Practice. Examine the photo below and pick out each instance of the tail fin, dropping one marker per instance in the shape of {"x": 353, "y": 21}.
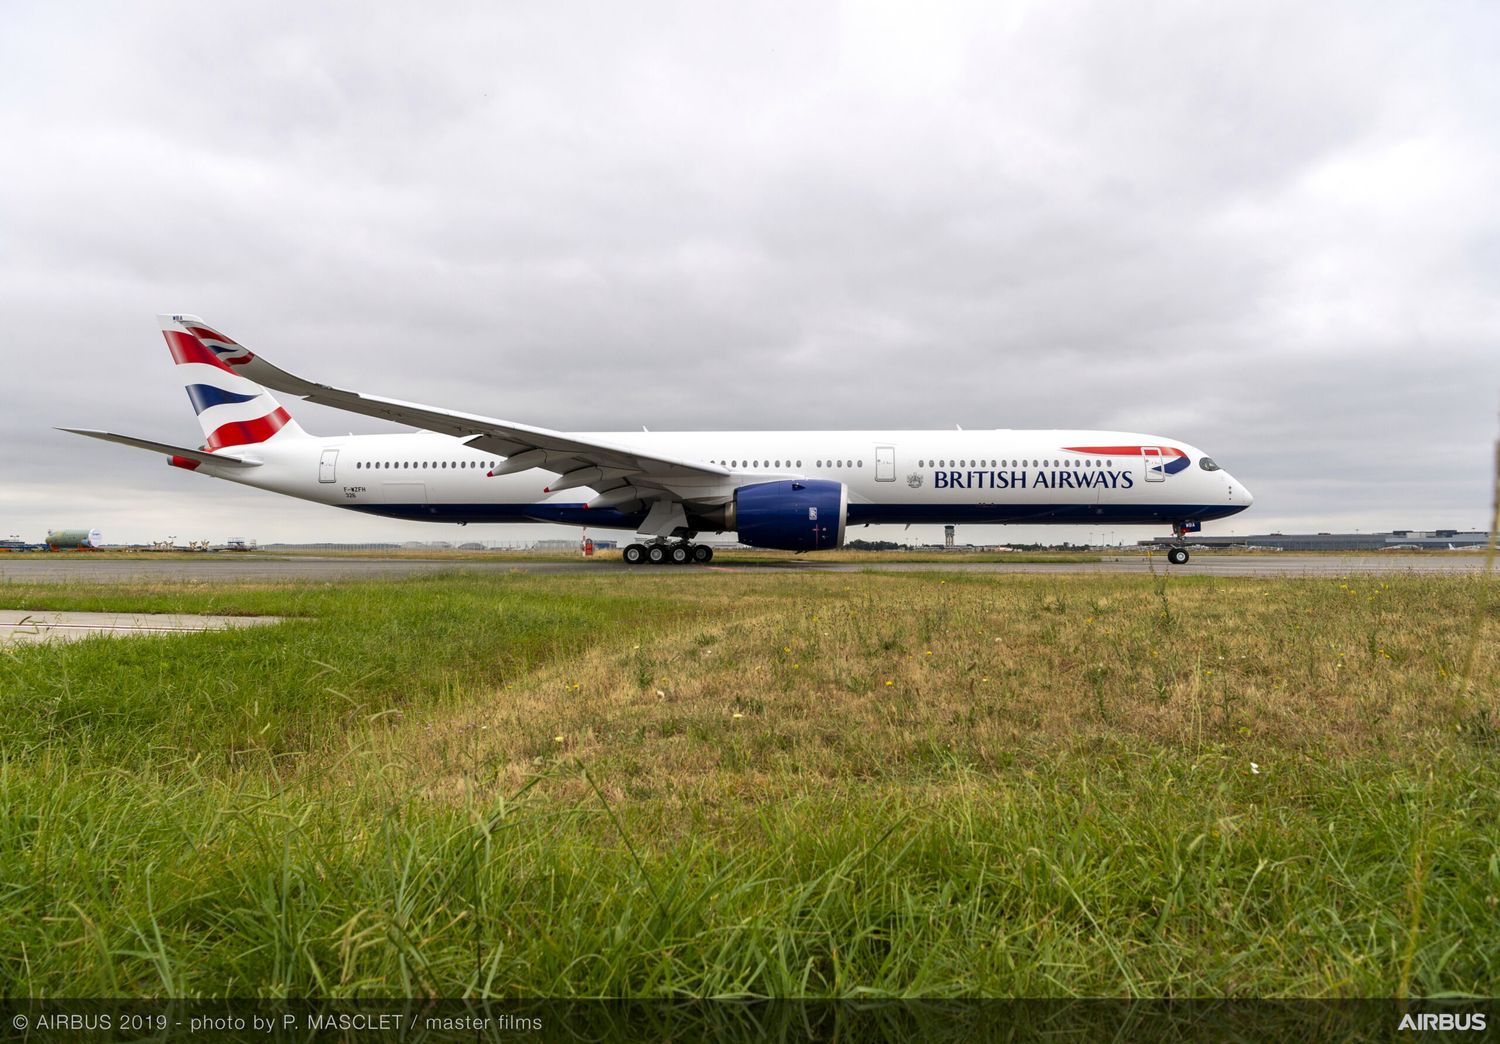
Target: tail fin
{"x": 233, "y": 410}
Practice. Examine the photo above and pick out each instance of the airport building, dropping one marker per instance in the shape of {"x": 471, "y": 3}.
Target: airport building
{"x": 1396, "y": 540}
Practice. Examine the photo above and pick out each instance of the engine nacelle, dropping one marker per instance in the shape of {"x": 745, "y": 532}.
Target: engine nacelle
{"x": 791, "y": 515}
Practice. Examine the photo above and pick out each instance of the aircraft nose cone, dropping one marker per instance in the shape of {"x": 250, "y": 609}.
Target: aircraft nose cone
{"x": 1240, "y": 494}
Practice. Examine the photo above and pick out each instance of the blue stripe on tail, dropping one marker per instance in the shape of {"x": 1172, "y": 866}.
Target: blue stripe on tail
{"x": 205, "y": 395}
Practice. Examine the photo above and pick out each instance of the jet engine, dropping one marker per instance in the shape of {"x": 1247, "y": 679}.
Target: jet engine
{"x": 790, "y": 515}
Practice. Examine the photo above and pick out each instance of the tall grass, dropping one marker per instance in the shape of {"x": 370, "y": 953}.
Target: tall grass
{"x": 720, "y": 785}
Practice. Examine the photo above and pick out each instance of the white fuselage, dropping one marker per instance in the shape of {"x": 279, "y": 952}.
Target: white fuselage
{"x": 947, "y": 477}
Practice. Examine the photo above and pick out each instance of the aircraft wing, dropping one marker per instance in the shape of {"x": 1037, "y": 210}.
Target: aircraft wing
{"x": 201, "y": 456}
{"x": 622, "y": 474}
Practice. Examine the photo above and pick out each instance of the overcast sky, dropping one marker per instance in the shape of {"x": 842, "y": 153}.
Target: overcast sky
{"x": 1271, "y": 230}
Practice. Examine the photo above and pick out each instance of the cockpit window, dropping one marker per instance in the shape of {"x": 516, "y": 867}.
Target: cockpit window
{"x": 1207, "y": 464}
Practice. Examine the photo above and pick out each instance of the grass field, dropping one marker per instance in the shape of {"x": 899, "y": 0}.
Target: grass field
{"x": 700, "y": 783}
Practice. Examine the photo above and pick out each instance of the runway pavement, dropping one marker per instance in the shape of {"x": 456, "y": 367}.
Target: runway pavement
{"x": 218, "y": 568}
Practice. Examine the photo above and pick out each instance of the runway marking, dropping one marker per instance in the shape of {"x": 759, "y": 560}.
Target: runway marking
{"x": 18, "y": 626}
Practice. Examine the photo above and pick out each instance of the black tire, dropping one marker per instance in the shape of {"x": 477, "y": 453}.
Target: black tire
{"x": 1177, "y": 556}
{"x": 680, "y": 555}
{"x": 656, "y": 554}
{"x": 635, "y": 554}
{"x": 702, "y": 554}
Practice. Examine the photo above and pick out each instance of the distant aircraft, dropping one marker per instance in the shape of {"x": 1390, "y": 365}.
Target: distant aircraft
{"x": 789, "y": 490}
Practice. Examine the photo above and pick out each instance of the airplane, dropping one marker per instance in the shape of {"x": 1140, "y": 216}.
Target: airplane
{"x": 785, "y": 490}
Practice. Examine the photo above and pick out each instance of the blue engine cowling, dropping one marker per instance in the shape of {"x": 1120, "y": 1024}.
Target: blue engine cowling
{"x": 792, "y": 515}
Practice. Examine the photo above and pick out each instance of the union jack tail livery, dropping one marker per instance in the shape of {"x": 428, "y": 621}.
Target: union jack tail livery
{"x": 232, "y": 409}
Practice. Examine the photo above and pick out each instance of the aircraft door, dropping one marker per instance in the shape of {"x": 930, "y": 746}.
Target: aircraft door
{"x": 885, "y": 463}
{"x": 1154, "y": 471}
{"x": 326, "y": 465}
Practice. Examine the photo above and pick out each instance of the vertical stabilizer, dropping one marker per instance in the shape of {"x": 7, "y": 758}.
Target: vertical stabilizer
{"x": 232, "y": 409}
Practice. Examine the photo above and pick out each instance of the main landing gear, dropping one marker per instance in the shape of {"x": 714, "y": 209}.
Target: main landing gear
{"x": 1179, "y": 554}
{"x": 668, "y": 552}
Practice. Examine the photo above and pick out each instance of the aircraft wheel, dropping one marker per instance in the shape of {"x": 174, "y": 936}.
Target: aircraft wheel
{"x": 635, "y": 554}
{"x": 680, "y": 554}
{"x": 702, "y": 554}
{"x": 1177, "y": 556}
{"x": 656, "y": 554}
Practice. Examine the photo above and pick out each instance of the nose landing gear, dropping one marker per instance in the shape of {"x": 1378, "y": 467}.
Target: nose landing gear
{"x": 1178, "y": 555}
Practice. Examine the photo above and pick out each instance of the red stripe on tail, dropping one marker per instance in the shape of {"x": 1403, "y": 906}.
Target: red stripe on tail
{"x": 241, "y": 433}
{"x": 186, "y": 348}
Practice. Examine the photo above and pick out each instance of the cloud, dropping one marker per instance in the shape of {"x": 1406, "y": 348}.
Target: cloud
{"x": 1268, "y": 230}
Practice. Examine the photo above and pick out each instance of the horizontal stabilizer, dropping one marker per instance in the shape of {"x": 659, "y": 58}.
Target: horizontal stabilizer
{"x": 200, "y": 456}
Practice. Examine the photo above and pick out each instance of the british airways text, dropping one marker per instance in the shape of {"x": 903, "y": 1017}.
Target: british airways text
{"x": 1032, "y": 480}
